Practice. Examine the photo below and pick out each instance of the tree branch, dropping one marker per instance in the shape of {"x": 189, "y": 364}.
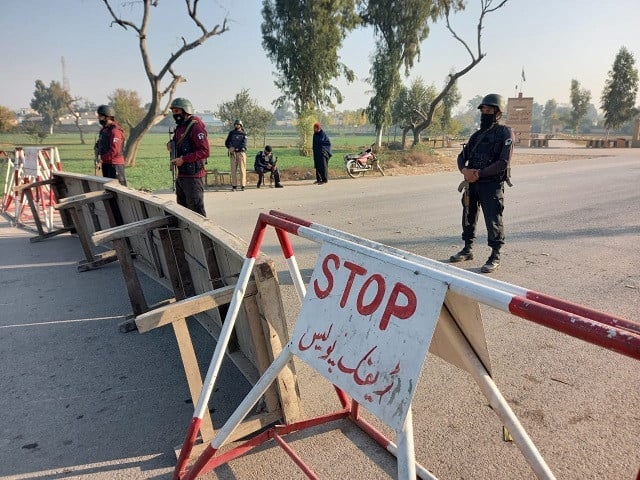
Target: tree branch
{"x": 475, "y": 59}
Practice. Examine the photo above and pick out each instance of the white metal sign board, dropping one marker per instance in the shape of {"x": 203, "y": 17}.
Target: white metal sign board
{"x": 365, "y": 325}
{"x": 30, "y": 161}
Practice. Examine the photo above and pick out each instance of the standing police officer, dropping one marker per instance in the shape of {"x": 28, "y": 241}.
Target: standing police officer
{"x": 484, "y": 163}
{"x": 236, "y": 144}
{"x": 110, "y": 144}
{"x": 192, "y": 151}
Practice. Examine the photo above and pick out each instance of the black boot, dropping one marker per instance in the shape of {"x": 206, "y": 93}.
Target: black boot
{"x": 462, "y": 255}
{"x": 493, "y": 262}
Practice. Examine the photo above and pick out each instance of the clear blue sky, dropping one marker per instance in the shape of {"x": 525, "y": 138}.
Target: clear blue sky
{"x": 553, "y": 40}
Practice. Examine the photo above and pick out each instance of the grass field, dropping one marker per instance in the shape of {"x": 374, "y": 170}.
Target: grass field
{"x": 152, "y": 163}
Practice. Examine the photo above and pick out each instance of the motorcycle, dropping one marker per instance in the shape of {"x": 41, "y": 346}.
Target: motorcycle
{"x": 359, "y": 163}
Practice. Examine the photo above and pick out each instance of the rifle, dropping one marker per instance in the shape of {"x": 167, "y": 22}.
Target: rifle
{"x": 464, "y": 189}
{"x": 173, "y": 153}
{"x": 96, "y": 158}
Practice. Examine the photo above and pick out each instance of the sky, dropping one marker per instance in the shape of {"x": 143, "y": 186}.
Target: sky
{"x": 551, "y": 41}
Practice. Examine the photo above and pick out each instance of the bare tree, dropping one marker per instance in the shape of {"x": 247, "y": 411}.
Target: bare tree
{"x": 157, "y": 109}
{"x": 428, "y": 113}
{"x": 70, "y": 102}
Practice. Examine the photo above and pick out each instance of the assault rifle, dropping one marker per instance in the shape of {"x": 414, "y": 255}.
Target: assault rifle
{"x": 96, "y": 158}
{"x": 173, "y": 153}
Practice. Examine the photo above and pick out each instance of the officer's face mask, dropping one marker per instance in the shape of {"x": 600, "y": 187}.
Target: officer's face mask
{"x": 486, "y": 120}
{"x": 179, "y": 118}
{"x": 102, "y": 121}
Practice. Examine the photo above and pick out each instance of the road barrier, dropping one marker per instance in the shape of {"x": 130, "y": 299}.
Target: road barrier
{"x": 368, "y": 316}
{"x": 29, "y": 176}
{"x": 200, "y": 263}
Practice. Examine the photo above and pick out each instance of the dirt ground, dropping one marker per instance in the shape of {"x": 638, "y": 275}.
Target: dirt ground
{"x": 443, "y": 161}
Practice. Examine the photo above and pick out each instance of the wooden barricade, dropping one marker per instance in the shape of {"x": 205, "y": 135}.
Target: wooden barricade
{"x": 197, "y": 261}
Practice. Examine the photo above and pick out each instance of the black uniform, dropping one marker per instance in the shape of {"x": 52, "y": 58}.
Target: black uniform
{"x": 490, "y": 152}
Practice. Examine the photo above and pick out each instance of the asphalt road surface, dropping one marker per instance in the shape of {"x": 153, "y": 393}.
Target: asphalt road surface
{"x": 572, "y": 230}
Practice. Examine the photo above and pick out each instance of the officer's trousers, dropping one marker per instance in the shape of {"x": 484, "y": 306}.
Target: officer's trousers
{"x": 490, "y": 197}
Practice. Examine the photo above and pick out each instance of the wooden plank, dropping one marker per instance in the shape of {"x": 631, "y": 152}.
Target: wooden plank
{"x": 132, "y": 229}
{"x": 261, "y": 352}
{"x": 130, "y": 274}
{"x": 83, "y": 235}
{"x": 188, "y": 307}
{"x": 34, "y": 210}
{"x": 30, "y": 185}
{"x": 78, "y": 200}
{"x": 277, "y": 335}
{"x": 180, "y": 281}
{"x": 192, "y": 371}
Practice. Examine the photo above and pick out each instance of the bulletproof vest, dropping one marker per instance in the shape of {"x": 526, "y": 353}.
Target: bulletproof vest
{"x": 185, "y": 147}
{"x": 488, "y": 149}
{"x": 237, "y": 138}
{"x": 104, "y": 140}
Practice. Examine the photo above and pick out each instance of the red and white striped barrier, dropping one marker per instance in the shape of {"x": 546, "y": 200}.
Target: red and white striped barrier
{"x": 31, "y": 164}
{"x": 404, "y": 313}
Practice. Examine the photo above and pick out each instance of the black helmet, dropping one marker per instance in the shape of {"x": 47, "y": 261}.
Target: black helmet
{"x": 267, "y": 148}
{"x": 106, "y": 110}
{"x": 238, "y": 122}
{"x": 493, "y": 100}
{"x": 184, "y": 104}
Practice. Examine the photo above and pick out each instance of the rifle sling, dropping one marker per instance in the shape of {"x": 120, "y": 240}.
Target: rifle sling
{"x": 186, "y": 132}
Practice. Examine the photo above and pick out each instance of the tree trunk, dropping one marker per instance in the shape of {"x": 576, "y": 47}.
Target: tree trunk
{"x": 416, "y": 137}
{"x": 379, "y": 137}
{"x": 138, "y": 131}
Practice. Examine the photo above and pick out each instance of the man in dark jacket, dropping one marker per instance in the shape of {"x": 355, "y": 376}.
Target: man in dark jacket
{"x": 236, "y": 144}
{"x": 191, "y": 150}
{"x": 484, "y": 163}
{"x": 265, "y": 163}
{"x": 110, "y": 144}
{"x": 321, "y": 154}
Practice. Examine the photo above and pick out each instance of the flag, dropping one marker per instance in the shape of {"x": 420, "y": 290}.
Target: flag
{"x": 523, "y": 77}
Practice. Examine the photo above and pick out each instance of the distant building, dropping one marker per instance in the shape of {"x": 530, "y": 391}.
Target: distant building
{"x": 519, "y": 113}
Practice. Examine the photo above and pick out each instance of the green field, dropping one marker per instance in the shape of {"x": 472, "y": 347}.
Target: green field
{"x": 151, "y": 171}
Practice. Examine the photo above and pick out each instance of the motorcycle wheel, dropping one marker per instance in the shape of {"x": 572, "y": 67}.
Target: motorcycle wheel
{"x": 352, "y": 169}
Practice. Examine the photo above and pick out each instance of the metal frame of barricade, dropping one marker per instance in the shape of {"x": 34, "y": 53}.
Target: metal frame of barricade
{"x": 47, "y": 162}
{"x": 613, "y": 333}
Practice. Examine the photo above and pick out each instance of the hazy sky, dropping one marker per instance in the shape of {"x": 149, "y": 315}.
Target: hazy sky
{"x": 552, "y": 40}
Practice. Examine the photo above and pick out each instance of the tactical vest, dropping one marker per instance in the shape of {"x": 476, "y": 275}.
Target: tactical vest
{"x": 488, "y": 149}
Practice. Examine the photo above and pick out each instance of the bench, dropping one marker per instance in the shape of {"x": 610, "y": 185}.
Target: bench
{"x": 221, "y": 178}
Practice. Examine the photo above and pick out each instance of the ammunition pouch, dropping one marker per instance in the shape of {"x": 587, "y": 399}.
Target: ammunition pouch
{"x": 190, "y": 168}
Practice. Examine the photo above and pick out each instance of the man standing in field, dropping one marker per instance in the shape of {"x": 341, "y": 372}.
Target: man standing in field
{"x": 110, "y": 144}
{"x": 191, "y": 146}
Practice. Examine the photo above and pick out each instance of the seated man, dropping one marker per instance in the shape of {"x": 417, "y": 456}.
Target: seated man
{"x": 265, "y": 163}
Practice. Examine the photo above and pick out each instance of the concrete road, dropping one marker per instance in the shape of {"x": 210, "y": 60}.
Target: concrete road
{"x": 572, "y": 232}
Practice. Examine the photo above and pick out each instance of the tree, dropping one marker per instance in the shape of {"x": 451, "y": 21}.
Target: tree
{"x": 580, "y": 98}
{"x": 50, "y": 102}
{"x": 302, "y": 39}
{"x": 159, "y": 88}
{"x": 400, "y": 27}
{"x": 486, "y": 7}
{"x": 409, "y": 105}
{"x": 449, "y": 102}
{"x": 255, "y": 119}
{"x": 620, "y": 91}
{"x": 128, "y": 107}
{"x": 7, "y": 119}
{"x": 548, "y": 114}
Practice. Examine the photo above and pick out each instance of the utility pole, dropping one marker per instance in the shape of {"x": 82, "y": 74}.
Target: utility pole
{"x": 65, "y": 79}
